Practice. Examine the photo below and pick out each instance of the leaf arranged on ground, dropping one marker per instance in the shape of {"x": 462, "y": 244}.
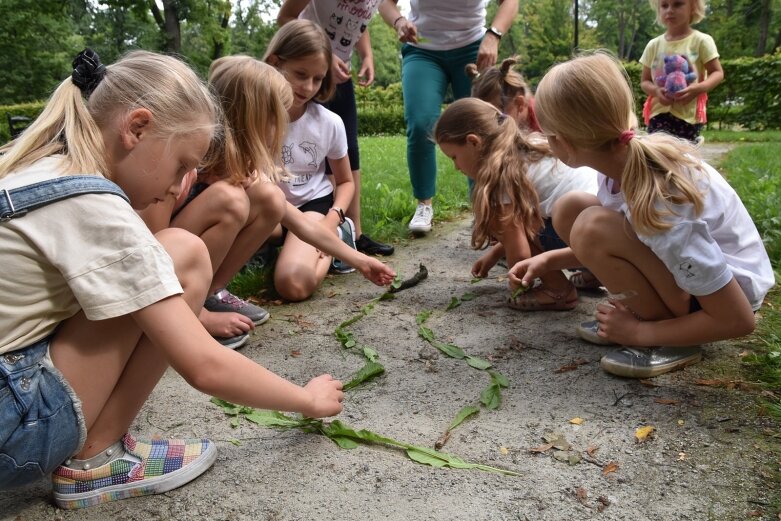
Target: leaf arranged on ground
{"x": 610, "y": 467}
{"x": 367, "y": 372}
{"x": 499, "y": 379}
{"x": 491, "y": 396}
{"x": 466, "y": 297}
{"x": 422, "y": 316}
{"x": 425, "y": 333}
{"x": 577, "y": 421}
{"x": 520, "y": 290}
{"x": 370, "y": 354}
{"x": 463, "y": 414}
{"x": 451, "y": 350}
{"x": 567, "y": 456}
{"x": 454, "y": 303}
{"x": 642, "y": 433}
{"x": 422, "y": 274}
{"x": 542, "y": 448}
{"x": 345, "y": 338}
{"x": 478, "y": 363}
{"x": 475, "y": 280}
{"x": 557, "y": 440}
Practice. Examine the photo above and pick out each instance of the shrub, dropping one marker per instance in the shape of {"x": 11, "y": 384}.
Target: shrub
{"x": 30, "y": 110}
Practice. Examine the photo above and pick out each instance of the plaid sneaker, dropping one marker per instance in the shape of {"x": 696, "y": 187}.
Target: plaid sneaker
{"x": 137, "y": 468}
{"x": 347, "y": 234}
{"x": 224, "y": 300}
{"x": 639, "y": 362}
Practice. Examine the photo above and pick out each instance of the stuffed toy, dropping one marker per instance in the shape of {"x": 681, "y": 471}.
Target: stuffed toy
{"x": 676, "y": 75}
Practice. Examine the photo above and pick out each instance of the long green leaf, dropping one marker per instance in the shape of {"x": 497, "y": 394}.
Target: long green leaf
{"x": 451, "y": 350}
{"x": 272, "y": 419}
{"x": 422, "y": 316}
{"x": 462, "y": 415}
{"x": 367, "y": 372}
{"x": 454, "y": 303}
{"x": 425, "y": 333}
{"x": 499, "y": 379}
{"x": 478, "y": 363}
{"x": 491, "y": 396}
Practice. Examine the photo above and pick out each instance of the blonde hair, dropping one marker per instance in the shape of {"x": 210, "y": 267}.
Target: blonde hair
{"x": 498, "y": 85}
{"x": 70, "y": 125}
{"x": 254, "y": 98}
{"x": 697, "y": 8}
{"x": 504, "y": 159}
{"x": 301, "y": 39}
{"x": 587, "y": 102}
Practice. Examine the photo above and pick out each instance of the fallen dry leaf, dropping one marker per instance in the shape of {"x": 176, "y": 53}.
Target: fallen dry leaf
{"x": 610, "y": 467}
{"x": 642, "y": 433}
{"x": 504, "y": 450}
{"x": 681, "y": 422}
{"x": 295, "y": 353}
{"x": 649, "y": 383}
{"x": 681, "y": 456}
{"x": 571, "y": 366}
{"x": 591, "y": 450}
{"x": 667, "y": 401}
{"x": 577, "y": 421}
{"x": 582, "y": 496}
{"x": 542, "y": 448}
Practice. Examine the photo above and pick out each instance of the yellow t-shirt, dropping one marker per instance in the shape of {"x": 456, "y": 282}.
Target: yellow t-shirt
{"x": 699, "y": 48}
{"x": 91, "y": 252}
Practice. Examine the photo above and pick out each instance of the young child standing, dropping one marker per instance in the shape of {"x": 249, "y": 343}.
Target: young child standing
{"x": 681, "y": 113}
{"x": 301, "y": 51}
{"x": 100, "y": 306}
{"x": 517, "y": 181}
{"x": 682, "y": 248}
{"x": 346, "y": 24}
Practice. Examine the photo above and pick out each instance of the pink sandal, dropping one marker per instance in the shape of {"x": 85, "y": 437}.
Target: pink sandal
{"x": 530, "y": 300}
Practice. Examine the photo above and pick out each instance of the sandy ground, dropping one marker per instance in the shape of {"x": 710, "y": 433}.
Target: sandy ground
{"x": 709, "y": 457}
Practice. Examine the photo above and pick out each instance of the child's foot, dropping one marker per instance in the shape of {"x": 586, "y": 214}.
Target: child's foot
{"x": 584, "y": 279}
{"x": 224, "y": 300}
{"x": 647, "y": 362}
{"x": 541, "y": 299}
{"x": 347, "y": 235}
{"x": 131, "y": 468}
{"x": 421, "y": 221}
{"x": 369, "y": 246}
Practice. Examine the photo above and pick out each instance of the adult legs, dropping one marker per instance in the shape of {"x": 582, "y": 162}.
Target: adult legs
{"x": 110, "y": 364}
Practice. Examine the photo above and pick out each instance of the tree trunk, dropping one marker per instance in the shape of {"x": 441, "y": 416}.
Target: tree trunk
{"x": 219, "y": 44}
{"x": 168, "y": 22}
{"x": 764, "y": 27}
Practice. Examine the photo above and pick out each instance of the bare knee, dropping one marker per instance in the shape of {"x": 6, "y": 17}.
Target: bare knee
{"x": 295, "y": 288}
{"x": 269, "y": 201}
{"x": 232, "y": 200}
{"x": 191, "y": 262}
{"x": 567, "y": 208}
{"x": 592, "y": 231}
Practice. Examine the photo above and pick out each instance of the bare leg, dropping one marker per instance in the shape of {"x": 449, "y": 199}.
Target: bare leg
{"x": 567, "y": 209}
{"x": 354, "y": 210}
{"x": 606, "y": 243}
{"x": 110, "y": 364}
{"x": 300, "y": 268}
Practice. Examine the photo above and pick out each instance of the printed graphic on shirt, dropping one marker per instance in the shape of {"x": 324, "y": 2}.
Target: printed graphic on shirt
{"x": 308, "y": 155}
{"x": 347, "y": 22}
{"x": 686, "y": 268}
{"x": 287, "y": 154}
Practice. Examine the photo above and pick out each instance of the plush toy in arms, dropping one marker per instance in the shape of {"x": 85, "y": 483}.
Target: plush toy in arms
{"x": 678, "y": 74}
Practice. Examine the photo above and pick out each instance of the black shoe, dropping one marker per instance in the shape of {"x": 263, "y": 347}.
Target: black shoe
{"x": 366, "y": 245}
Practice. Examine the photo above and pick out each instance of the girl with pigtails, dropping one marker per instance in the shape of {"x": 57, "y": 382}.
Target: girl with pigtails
{"x": 668, "y": 236}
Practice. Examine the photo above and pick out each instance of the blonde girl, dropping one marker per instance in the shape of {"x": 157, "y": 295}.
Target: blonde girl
{"x": 681, "y": 113}
{"x": 100, "y": 306}
{"x": 503, "y": 87}
{"x": 301, "y": 51}
{"x": 512, "y": 171}
{"x": 682, "y": 249}
{"x": 236, "y": 204}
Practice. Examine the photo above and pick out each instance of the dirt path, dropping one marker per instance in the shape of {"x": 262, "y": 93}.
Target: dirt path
{"x": 706, "y": 459}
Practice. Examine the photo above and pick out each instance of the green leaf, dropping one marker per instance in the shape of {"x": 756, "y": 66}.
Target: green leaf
{"x": 345, "y": 443}
{"x": 468, "y": 296}
{"x": 476, "y": 280}
{"x": 422, "y": 316}
{"x": 451, "y": 350}
{"x": 454, "y": 303}
{"x": 426, "y": 333}
{"x": 397, "y": 280}
{"x": 478, "y": 363}
{"x": 499, "y": 379}
{"x": 427, "y": 459}
{"x": 235, "y": 442}
{"x": 370, "y": 353}
{"x": 462, "y": 415}
{"x": 520, "y": 290}
{"x": 367, "y": 372}
{"x": 491, "y": 396}
{"x": 273, "y": 419}
{"x": 386, "y": 296}
{"x": 235, "y": 422}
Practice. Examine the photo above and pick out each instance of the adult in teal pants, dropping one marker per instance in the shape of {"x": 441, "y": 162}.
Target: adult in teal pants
{"x": 440, "y": 38}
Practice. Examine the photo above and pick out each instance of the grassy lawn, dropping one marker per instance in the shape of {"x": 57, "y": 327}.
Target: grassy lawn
{"x": 740, "y": 136}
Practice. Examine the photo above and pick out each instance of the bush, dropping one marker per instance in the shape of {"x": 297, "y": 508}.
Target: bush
{"x": 30, "y": 110}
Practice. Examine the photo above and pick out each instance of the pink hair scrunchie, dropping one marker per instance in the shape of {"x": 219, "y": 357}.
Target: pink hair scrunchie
{"x": 626, "y": 136}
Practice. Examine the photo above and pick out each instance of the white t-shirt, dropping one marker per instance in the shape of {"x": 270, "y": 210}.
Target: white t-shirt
{"x": 311, "y": 139}
{"x": 448, "y": 24}
{"x": 704, "y": 252}
{"x": 608, "y": 199}
{"x": 552, "y": 179}
{"x": 90, "y": 252}
{"x": 343, "y": 20}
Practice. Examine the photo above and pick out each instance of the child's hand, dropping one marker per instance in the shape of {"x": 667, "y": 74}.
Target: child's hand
{"x": 326, "y": 396}
{"x": 524, "y": 272}
{"x": 688, "y": 94}
{"x": 661, "y": 95}
{"x": 618, "y": 324}
{"x": 341, "y": 70}
{"x": 377, "y": 272}
{"x": 407, "y": 31}
{"x": 482, "y": 266}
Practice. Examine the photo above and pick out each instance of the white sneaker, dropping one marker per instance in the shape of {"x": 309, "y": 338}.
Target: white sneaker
{"x": 421, "y": 221}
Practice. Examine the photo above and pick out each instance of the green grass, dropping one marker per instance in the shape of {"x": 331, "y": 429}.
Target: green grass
{"x": 742, "y": 136}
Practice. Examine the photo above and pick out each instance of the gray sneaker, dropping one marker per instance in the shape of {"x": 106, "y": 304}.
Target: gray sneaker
{"x": 588, "y": 332}
{"x": 233, "y": 342}
{"x": 347, "y": 234}
{"x": 224, "y": 300}
{"x": 647, "y": 362}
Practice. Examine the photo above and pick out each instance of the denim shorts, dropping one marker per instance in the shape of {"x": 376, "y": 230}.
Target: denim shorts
{"x": 41, "y": 423}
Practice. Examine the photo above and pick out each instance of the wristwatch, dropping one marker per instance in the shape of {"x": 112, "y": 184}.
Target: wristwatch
{"x": 339, "y": 212}
{"x": 496, "y": 32}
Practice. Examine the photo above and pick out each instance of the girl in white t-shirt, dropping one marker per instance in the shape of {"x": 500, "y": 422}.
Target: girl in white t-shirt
{"x": 301, "y": 51}
{"x": 683, "y": 250}
{"x": 93, "y": 307}
{"x": 517, "y": 182}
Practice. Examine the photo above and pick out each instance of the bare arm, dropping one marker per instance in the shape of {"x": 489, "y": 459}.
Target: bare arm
{"x": 290, "y": 10}
{"x": 212, "y": 369}
{"x": 715, "y": 76}
{"x": 405, "y": 30}
{"x": 364, "y": 48}
{"x": 524, "y": 272}
{"x": 489, "y": 47}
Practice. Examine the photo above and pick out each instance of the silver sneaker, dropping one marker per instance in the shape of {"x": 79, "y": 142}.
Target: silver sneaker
{"x": 421, "y": 221}
{"x": 347, "y": 234}
{"x": 225, "y": 301}
{"x": 588, "y": 332}
{"x": 639, "y": 362}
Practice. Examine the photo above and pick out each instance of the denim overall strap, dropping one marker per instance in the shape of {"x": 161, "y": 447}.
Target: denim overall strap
{"x": 18, "y": 201}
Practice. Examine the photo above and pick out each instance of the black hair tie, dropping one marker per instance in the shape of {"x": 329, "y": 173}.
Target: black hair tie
{"x": 87, "y": 71}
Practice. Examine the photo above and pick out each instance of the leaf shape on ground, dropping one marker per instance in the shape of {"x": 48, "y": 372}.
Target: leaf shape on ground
{"x": 463, "y": 414}
{"x": 491, "y": 396}
{"x": 367, "y": 372}
{"x": 345, "y": 443}
{"x": 577, "y": 421}
{"x": 422, "y": 316}
{"x": 273, "y": 419}
{"x": 425, "y": 333}
{"x": 478, "y": 363}
{"x": 499, "y": 379}
{"x": 451, "y": 350}
{"x": 542, "y": 448}
{"x": 397, "y": 280}
{"x": 476, "y": 280}
{"x": 466, "y": 297}
{"x": 557, "y": 440}
{"x": 642, "y": 433}
{"x": 370, "y": 353}
{"x": 610, "y": 467}
{"x": 454, "y": 303}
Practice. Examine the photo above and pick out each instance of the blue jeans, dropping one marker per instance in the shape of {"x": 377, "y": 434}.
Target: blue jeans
{"x": 425, "y": 76}
{"x": 41, "y": 423}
